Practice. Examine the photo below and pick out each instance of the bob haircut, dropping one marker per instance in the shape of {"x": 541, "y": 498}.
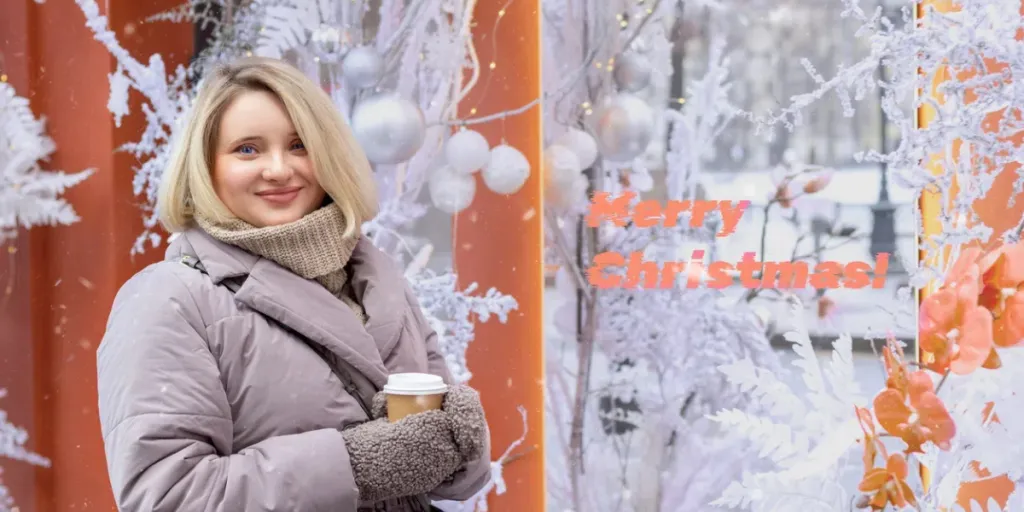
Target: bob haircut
{"x": 186, "y": 188}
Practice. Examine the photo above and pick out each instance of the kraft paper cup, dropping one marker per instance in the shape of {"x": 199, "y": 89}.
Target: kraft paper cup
{"x": 411, "y": 393}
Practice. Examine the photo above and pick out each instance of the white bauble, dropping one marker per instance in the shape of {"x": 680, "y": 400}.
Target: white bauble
{"x": 625, "y": 126}
{"x": 567, "y": 194}
{"x": 581, "y": 143}
{"x": 389, "y": 128}
{"x": 451, "y": 191}
{"x": 362, "y": 67}
{"x": 632, "y": 72}
{"x": 467, "y": 151}
{"x": 506, "y": 171}
{"x": 561, "y": 166}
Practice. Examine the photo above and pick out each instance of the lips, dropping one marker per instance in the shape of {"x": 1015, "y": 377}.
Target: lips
{"x": 280, "y": 195}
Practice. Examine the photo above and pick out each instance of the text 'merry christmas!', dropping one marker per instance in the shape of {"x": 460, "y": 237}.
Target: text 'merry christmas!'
{"x": 623, "y": 210}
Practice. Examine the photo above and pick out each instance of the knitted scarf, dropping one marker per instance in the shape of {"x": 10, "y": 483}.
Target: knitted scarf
{"x": 312, "y": 247}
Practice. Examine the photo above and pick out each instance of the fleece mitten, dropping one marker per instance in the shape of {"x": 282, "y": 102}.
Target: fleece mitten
{"x": 407, "y": 458}
{"x": 465, "y": 416}
{"x": 466, "y": 419}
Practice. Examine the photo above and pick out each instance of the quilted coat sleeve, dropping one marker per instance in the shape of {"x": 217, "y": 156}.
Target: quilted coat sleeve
{"x": 476, "y": 473}
{"x": 166, "y": 421}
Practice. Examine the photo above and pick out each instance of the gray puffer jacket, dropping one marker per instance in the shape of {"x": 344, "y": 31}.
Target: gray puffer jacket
{"x": 213, "y": 400}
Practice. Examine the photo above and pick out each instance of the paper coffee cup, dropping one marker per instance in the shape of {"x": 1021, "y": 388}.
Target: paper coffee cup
{"x": 411, "y": 393}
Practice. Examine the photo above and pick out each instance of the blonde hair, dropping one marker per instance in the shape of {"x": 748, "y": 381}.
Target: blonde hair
{"x": 186, "y": 188}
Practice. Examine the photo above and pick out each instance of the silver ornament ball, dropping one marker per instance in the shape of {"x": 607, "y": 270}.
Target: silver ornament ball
{"x": 389, "y": 128}
{"x": 625, "y": 126}
{"x": 363, "y": 67}
{"x": 467, "y": 151}
{"x": 450, "y": 190}
{"x": 507, "y": 170}
{"x": 581, "y": 143}
{"x": 632, "y": 72}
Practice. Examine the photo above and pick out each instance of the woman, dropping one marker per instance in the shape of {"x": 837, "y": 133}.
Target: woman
{"x": 242, "y": 373}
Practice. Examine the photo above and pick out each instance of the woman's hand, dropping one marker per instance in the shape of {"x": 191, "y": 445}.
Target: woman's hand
{"x": 466, "y": 419}
{"x": 406, "y": 458}
{"x": 464, "y": 414}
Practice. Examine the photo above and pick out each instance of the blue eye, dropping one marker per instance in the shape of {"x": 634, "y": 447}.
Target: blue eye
{"x": 298, "y": 146}
{"x": 246, "y": 149}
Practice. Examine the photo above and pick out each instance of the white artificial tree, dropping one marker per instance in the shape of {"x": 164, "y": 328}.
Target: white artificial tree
{"x": 29, "y": 195}
{"x": 966, "y": 60}
{"x": 629, "y": 389}
{"x": 410, "y": 57}
{"x": 12, "y": 446}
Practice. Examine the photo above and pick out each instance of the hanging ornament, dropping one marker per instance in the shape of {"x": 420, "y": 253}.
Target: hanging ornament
{"x": 581, "y": 143}
{"x": 561, "y": 166}
{"x": 389, "y": 127}
{"x": 632, "y": 72}
{"x": 625, "y": 127}
{"x": 467, "y": 151}
{"x": 329, "y": 43}
{"x": 363, "y": 67}
{"x": 450, "y": 190}
{"x": 506, "y": 171}
{"x": 566, "y": 195}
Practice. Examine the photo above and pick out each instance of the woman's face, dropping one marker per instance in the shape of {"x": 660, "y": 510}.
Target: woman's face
{"x": 261, "y": 169}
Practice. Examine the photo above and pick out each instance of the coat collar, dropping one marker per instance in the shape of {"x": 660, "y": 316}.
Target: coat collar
{"x": 305, "y": 306}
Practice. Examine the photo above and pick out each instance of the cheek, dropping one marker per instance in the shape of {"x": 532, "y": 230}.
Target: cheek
{"x": 304, "y": 168}
{"x": 232, "y": 176}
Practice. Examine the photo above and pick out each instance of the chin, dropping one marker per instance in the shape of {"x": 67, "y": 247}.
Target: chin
{"x": 278, "y": 218}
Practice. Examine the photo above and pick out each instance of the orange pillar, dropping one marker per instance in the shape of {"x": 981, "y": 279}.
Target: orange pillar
{"x": 66, "y": 277}
{"x": 16, "y": 349}
{"x": 993, "y": 211}
{"x": 498, "y": 242}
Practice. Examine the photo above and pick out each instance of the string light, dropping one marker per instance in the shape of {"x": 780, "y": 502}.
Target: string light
{"x": 501, "y": 13}
{"x": 3, "y": 78}
{"x": 493, "y": 65}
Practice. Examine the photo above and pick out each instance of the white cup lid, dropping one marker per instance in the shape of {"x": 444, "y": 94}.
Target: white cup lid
{"x": 415, "y": 384}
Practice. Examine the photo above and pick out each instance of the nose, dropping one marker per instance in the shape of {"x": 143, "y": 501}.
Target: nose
{"x": 277, "y": 168}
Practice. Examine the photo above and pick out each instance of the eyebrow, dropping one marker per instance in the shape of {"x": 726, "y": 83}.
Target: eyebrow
{"x": 252, "y": 138}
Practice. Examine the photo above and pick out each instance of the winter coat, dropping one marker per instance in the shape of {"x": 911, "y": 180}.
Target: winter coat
{"x": 219, "y": 400}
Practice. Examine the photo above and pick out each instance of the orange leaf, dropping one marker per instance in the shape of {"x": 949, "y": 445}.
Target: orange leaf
{"x": 873, "y": 480}
{"x": 907, "y": 493}
{"x": 880, "y": 500}
{"x": 919, "y": 383}
{"x": 1009, "y": 327}
{"x": 936, "y": 419}
{"x": 938, "y": 312}
{"x": 1006, "y": 268}
{"x": 891, "y": 412}
{"x": 993, "y": 362}
{"x": 968, "y": 257}
{"x": 975, "y": 341}
{"x": 897, "y": 466}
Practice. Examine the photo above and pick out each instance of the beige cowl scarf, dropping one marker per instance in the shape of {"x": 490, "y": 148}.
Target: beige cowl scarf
{"x": 312, "y": 247}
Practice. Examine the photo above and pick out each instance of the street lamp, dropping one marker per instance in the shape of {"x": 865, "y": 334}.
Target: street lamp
{"x": 883, "y": 213}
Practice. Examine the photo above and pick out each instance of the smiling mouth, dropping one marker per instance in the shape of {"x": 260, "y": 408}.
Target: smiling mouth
{"x": 281, "y": 195}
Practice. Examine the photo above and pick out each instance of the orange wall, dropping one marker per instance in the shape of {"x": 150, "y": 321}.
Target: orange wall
{"x": 65, "y": 277}
{"x": 499, "y": 243}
